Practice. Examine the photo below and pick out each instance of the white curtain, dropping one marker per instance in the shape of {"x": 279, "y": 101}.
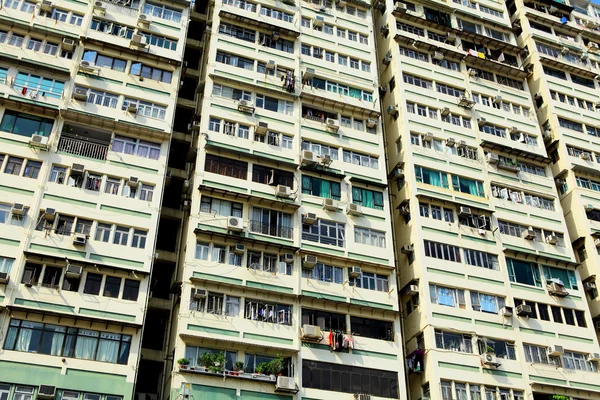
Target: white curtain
{"x": 108, "y": 351}
{"x": 85, "y": 347}
{"x": 24, "y": 340}
{"x": 57, "y": 342}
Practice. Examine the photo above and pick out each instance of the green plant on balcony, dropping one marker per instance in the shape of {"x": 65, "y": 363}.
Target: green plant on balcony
{"x": 213, "y": 361}
{"x": 558, "y": 397}
{"x": 238, "y": 366}
{"x": 261, "y": 368}
{"x": 490, "y": 349}
{"x": 183, "y": 361}
{"x": 275, "y": 366}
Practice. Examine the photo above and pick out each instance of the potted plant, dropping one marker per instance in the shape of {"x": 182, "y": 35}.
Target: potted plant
{"x": 206, "y": 359}
{"x": 183, "y": 363}
{"x": 262, "y": 368}
{"x": 275, "y": 366}
{"x": 559, "y": 397}
{"x": 218, "y": 363}
{"x": 238, "y": 367}
{"x": 490, "y": 350}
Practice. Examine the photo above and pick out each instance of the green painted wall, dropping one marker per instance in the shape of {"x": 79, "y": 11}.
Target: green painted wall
{"x": 83, "y": 381}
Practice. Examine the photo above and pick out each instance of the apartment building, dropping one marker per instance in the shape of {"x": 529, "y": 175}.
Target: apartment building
{"x": 287, "y": 284}
{"x": 563, "y": 42}
{"x": 88, "y": 94}
{"x": 492, "y": 301}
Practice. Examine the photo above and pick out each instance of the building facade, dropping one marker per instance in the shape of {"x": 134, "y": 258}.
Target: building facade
{"x": 288, "y": 246}
{"x": 493, "y": 303}
{"x": 88, "y": 94}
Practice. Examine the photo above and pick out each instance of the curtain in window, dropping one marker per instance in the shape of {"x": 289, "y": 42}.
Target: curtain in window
{"x": 378, "y": 200}
{"x": 356, "y": 195}
{"x": 57, "y": 342}
{"x": 24, "y": 339}
{"x": 306, "y": 184}
{"x": 446, "y": 296}
{"x": 356, "y": 93}
{"x": 324, "y": 188}
{"x": 108, "y": 350}
{"x": 368, "y": 199}
{"x": 86, "y": 347}
{"x": 336, "y": 191}
{"x": 488, "y": 303}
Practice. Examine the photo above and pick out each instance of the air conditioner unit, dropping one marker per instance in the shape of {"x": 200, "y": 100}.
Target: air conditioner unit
{"x": 132, "y": 108}
{"x": 462, "y": 144}
{"x": 68, "y": 44}
{"x": 556, "y": 289}
{"x": 283, "y": 191}
{"x": 39, "y": 141}
{"x": 438, "y": 55}
{"x": 239, "y": 248}
{"x": 392, "y": 110}
{"x": 371, "y": 123}
{"x": 497, "y": 99}
{"x": 199, "y": 293}
{"x": 524, "y": 310}
{"x": 555, "y": 351}
{"x": 428, "y": 137}
{"x": 144, "y": 20}
{"x": 333, "y": 125}
{"x": 139, "y": 41}
{"x": 412, "y": 290}
{"x": 464, "y": 211}
{"x": 46, "y": 6}
{"x": 589, "y": 285}
{"x": 77, "y": 169}
{"x": 506, "y": 311}
{"x": 285, "y": 384}
{"x": 490, "y": 359}
{"x": 409, "y": 249}
{"x": 597, "y": 105}
{"x": 87, "y": 66}
{"x": 585, "y": 156}
{"x": 451, "y": 36}
{"x": 330, "y": 205}
{"x": 261, "y": 128}
{"x": 597, "y": 242}
{"x": 246, "y": 106}
{"x": 593, "y": 357}
{"x": 4, "y": 278}
{"x": 311, "y": 332}
{"x": 309, "y": 261}
{"x": 547, "y": 134}
{"x": 552, "y": 239}
{"x": 385, "y": 30}
{"x": 354, "y": 209}
{"x": 17, "y": 209}
{"x": 405, "y": 209}
{"x": 275, "y": 35}
{"x": 354, "y": 272}
{"x": 308, "y": 157}
{"x": 235, "y": 224}
{"x": 99, "y": 5}
{"x": 528, "y": 234}
{"x": 80, "y": 94}
{"x": 288, "y": 257}
{"x": 445, "y": 111}
{"x": 450, "y": 142}
{"x": 399, "y": 7}
{"x": 133, "y": 182}
{"x": 309, "y": 73}
{"x": 387, "y": 59}
{"x": 46, "y": 392}
{"x": 271, "y": 65}
{"x": 514, "y": 130}
{"x": 79, "y": 240}
{"x": 309, "y": 218}
{"x": 481, "y": 121}
{"x": 318, "y": 21}
{"x": 73, "y": 271}
{"x": 472, "y": 72}
{"x": 49, "y": 214}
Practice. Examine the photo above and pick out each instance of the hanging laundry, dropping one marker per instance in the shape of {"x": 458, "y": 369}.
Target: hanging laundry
{"x": 24, "y": 91}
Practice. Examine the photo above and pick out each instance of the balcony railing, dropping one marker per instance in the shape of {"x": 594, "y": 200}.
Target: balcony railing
{"x": 285, "y": 232}
{"x": 115, "y": 8}
{"x": 83, "y": 148}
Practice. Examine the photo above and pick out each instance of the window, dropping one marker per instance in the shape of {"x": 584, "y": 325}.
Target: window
{"x": 76, "y": 19}
{"x": 64, "y": 226}
{"x": 220, "y": 207}
{"x": 160, "y": 41}
{"x": 32, "y": 170}
{"x": 23, "y": 392}
{"x": 202, "y": 250}
{"x": 225, "y": 166}
{"x": 325, "y": 232}
{"x": 131, "y": 289}
{"x": 112, "y": 286}
{"x": 523, "y": 272}
{"x": 92, "y": 283}
{"x": 146, "y": 193}
{"x": 112, "y": 185}
{"x": 27, "y": 82}
{"x": 361, "y": 159}
{"x": 121, "y": 235}
{"x": 268, "y": 312}
{"x": 470, "y": 186}
{"x": 321, "y": 187}
{"x": 145, "y": 108}
{"x": 272, "y": 176}
{"x": 567, "y": 277}
{"x": 327, "y": 321}
{"x": 25, "y": 124}
{"x": 13, "y": 166}
{"x": 139, "y": 239}
{"x": 153, "y": 73}
{"x": 321, "y": 149}
{"x": 481, "y": 259}
{"x": 371, "y": 281}
{"x": 416, "y": 81}
{"x": 442, "y": 251}
{"x": 349, "y": 379}
{"x": 324, "y": 273}
{"x": 486, "y": 302}
{"x": 6, "y": 264}
{"x": 103, "y": 232}
{"x": 195, "y": 354}
{"x": 578, "y": 361}
{"x": 446, "y": 296}
{"x": 431, "y": 177}
{"x": 369, "y": 237}
{"x": 453, "y": 341}
{"x": 271, "y": 222}
{"x": 140, "y": 148}
{"x": 536, "y": 354}
{"x": 367, "y": 198}
{"x": 372, "y": 328}
{"x": 56, "y": 340}
{"x": 163, "y": 12}
{"x": 83, "y": 226}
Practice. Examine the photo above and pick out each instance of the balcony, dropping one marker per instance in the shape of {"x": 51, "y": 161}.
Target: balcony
{"x": 284, "y": 232}
{"x": 83, "y": 148}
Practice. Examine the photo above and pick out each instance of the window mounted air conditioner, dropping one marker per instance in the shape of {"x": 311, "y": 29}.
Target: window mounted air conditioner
{"x": 139, "y": 41}
{"x": 371, "y": 123}
{"x": 79, "y": 240}
{"x": 450, "y": 142}
{"x": 393, "y": 110}
{"x": 87, "y": 66}
{"x": 73, "y": 271}
{"x": 246, "y": 106}
{"x": 39, "y": 141}
{"x": 309, "y": 261}
{"x": 528, "y": 234}
{"x": 46, "y": 6}
{"x": 133, "y": 182}
{"x": 354, "y": 209}
{"x": 199, "y": 293}
{"x": 271, "y": 65}
{"x": 506, "y": 311}
{"x": 46, "y": 392}
{"x": 412, "y": 290}
{"x": 283, "y": 191}
{"x": 4, "y": 278}
{"x": 309, "y": 219}
{"x": 407, "y": 249}
{"x": 311, "y": 332}
{"x": 132, "y": 108}
{"x": 330, "y": 205}
{"x": 286, "y": 384}
{"x": 524, "y": 310}
{"x": 80, "y": 94}
{"x": 144, "y": 20}
{"x": 445, "y": 111}
{"x": 308, "y": 157}
{"x": 239, "y": 248}
{"x": 555, "y": 351}
{"x": 333, "y": 125}
{"x": 288, "y": 257}
{"x": 49, "y": 214}
{"x": 17, "y": 209}
{"x": 464, "y": 211}
{"x": 354, "y": 272}
{"x": 68, "y": 44}
{"x": 552, "y": 239}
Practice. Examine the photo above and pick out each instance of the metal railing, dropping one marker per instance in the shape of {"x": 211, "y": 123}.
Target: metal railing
{"x": 285, "y": 232}
{"x": 83, "y": 148}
